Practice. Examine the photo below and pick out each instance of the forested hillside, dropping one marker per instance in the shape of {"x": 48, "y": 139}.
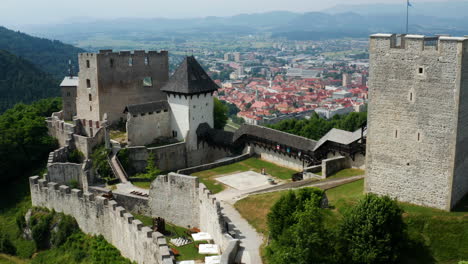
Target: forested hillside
{"x": 21, "y": 81}
{"x": 50, "y": 56}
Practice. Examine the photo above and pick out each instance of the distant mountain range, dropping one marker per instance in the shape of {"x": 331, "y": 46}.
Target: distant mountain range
{"x": 340, "y": 21}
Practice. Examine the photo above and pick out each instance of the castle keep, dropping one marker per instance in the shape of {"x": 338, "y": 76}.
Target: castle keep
{"x": 417, "y": 142}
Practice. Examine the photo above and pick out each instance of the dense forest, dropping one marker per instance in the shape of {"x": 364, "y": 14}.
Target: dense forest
{"x": 50, "y": 56}
{"x": 21, "y": 81}
{"x": 24, "y": 142}
{"x": 316, "y": 127}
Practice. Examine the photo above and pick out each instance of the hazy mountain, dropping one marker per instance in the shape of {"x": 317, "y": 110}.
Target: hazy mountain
{"x": 48, "y": 55}
{"x": 341, "y": 21}
{"x": 21, "y": 81}
{"x": 447, "y": 9}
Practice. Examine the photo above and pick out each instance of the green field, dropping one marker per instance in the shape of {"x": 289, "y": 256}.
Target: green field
{"x": 255, "y": 164}
{"x": 438, "y": 236}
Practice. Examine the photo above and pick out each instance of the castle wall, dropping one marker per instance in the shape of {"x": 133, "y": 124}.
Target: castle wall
{"x": 204, "y": 154}
{"x": 183, "y": 201}
{"x": 60, "y": 129}
{"x": 209, "y": 166}
{"x": 98, "y": 216}
{"x": 412, "y": 120}
{"x": 145, "y": 129}
{"x": 359, "y": 161}
{"x": 278, "y": 158}
{"x": 333, "y": 165}
{"x": 460, "y": 180}
{"x": 87, "y": 144}
{"x": 167, "y": 158}
{"x": 174, "y": 197}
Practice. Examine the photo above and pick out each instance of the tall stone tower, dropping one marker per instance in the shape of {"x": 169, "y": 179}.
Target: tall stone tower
{"x": 108, "y": 81}
{"x": 417, "y": 142}
{"x": 190, "y": 95}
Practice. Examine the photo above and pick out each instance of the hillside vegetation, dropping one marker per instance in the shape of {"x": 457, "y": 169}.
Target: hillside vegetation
{"x": 21, "y": 81}
{"x": 50, "y": 56}
{"x": 316, "y": 127}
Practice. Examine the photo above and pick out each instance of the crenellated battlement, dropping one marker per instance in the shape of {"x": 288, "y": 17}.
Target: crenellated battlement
{"x": 98, "y": 215}
{"x": 124, "y": 53}
{"x": 411, "y": 42}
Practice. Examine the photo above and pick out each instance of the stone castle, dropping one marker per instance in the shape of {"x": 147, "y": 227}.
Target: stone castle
{"x": 417, "y": 144}
{"x": 411, "y": 150}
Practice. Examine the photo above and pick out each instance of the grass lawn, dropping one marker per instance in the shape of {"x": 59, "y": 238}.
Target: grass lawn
{"x": 7, "y": 259}
{"x": 255, "y": 164}
{"x": 143, "y": 185}
{"x": 187, "y": 252}
{"x": 119, "y": 136}
{"x": 442, "y": 237}
{"x": 345, "y": 173}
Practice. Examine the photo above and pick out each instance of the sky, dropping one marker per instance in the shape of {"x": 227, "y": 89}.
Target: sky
{"x": 17, "y": 12}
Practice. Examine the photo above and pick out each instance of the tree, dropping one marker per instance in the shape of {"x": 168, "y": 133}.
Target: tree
{"x": 372, "y": 232}
{"x": 219, "y": 114}
{"x": 303, "y": 237}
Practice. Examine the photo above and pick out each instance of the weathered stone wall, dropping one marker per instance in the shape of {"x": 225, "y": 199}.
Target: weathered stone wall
{"x": 132, "y": 203}
{"x": 183, "y": 201}
{"x": 278, "y": 158}
{"x": 167, "y": 158}
{"x": 87, "y": 144}
{"x": 212, "y": 220}
{"x": 65, "y": 173}
{"x": 97, "y": 215}
{"x": 60, "y": 129}
{"x": 116, "y": 80}
{"x": 460, "y": 179}
{"x": 330, "y": 166}
{"x": 410, "y": 144}
{"x": 359, "y": 161}
{"x": 144, "y": 129}
{"x": 204, "y": 154}
{"x": 174, "y": 197}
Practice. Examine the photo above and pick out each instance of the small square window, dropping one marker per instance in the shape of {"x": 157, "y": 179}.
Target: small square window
{"x": 146, "y": 60}
{"x": 134, "y": 115}
{"x": 143, "y": 114}
{"x": 147, "y": 82}
{"x": 111, "y": 63}
{"x": 150, "y": 113}
{"x": 88, "y": 83}
{"x": 157, "y": 112}
{"x": 421, "y": 70}
{"x": 87, "y": 64}
{"x": 130, "y": 62}
{"x": 165, "y": 110}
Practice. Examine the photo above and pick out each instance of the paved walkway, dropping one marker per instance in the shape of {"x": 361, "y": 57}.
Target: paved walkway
{"x": 120, "y": 173}
{"x": 250, "y": 240}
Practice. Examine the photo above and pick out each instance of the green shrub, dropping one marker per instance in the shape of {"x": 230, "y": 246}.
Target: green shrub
{"x": 66, "y": 227}
{"x": 40, "y": 227}
{"x": 124, "y": 158}
{"x": 282, "y": 212}
{"x": 75, "y": 156}
{"x": 372, "y": 232}
{"x": 6, "y": 246}
{"x": 100, "y": 163}
{"x": 151, "y": 170}
{"x": 74, "y": 184}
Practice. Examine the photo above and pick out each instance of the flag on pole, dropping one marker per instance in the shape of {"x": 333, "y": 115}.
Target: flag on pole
{"x": 409, "y": 3}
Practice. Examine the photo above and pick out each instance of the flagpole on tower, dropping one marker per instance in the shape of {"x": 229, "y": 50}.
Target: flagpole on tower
{"x": 407, "y": 15}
